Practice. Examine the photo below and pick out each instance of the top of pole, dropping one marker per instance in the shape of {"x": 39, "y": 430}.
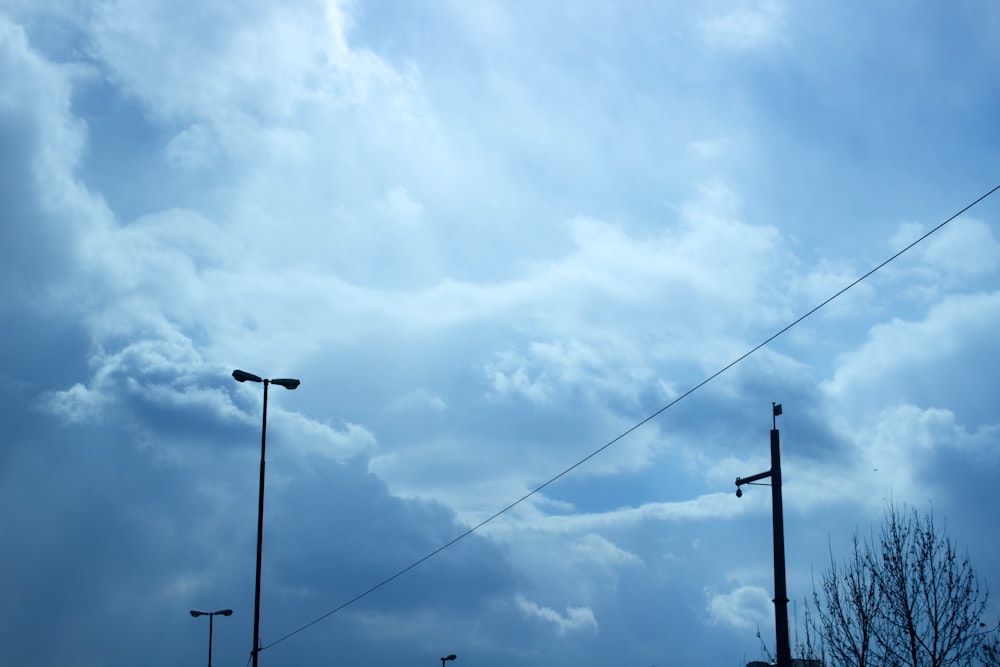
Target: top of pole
{"x": 775, "y": 411}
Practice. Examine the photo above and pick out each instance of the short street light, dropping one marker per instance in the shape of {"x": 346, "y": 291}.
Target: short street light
{"x": 211, "y": 616}
{"x": 780, "y": 594}
{"x": 287, "y": 383}
{"x": 448, "y": 657}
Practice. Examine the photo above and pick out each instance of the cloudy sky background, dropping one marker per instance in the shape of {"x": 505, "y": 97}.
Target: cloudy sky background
{"x": 489, "y": 237}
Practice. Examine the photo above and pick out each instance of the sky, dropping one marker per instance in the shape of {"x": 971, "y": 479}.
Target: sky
{"x": 489, "y": 237}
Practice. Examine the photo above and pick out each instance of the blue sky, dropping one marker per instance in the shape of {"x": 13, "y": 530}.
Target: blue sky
{"x": 489, "y": 237}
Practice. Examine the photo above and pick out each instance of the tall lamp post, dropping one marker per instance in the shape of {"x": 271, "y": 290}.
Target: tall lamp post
{"x": 211, "y": 616}
{"x": 243, "y": 376}
{"x": 780, "y": 593}
{"x": 448, "y": 657}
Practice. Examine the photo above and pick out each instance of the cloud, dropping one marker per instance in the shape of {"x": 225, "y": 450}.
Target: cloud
{"x": 488, "y": 242}
{"x": 417, "y": 400}
{"x": 259, "y": 62}
{"x": 308, "y": 436}
{"x": 964, "y": 248}
{"x": 48, "y": 208}
{"x": 914, "y": 359}
{"x": 743, "y": 28}
{"x": 76, "y": 404}
{"x": 576, "y": 619}
{"x": 194, "y": 148}
{"x": 508, "y": 374}
{"x": 744, "y": 607}
{"x": 717, "y": 505}
{"x": 596, "y": 548}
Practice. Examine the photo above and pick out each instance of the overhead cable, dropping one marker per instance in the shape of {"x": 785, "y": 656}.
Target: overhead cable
{"x": 655, "y": 414}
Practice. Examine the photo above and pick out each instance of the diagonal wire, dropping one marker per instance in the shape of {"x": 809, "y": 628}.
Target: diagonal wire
{"x": 666, "y": 407}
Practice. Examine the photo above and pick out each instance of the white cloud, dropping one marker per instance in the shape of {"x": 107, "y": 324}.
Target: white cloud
{"x": 827, "y": 278}
{"x": 745, "y": 28}
{"x": 508, "y": 374}
{"x": 914, "y": 360}
{"x": 745, "y": 607}
{"x": 212, "y": 61}
{"x": 965, "y": 247}
{"x": 43, "y": 144}
{"x": 576, "y": 619}
{"x": 78, "y": 404}
{"x": 709, "y": 506}
{"x": 195, "y": 147}
{"x": 597, "y": 549}
{"x": 308, "y": 436}
{"x": 162, "y": 371}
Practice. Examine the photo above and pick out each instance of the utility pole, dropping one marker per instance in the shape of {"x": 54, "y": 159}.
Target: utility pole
{"x": 778, "y": 526}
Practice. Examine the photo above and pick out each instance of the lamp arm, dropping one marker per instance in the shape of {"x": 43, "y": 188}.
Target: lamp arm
{"x": 752, "y": 478}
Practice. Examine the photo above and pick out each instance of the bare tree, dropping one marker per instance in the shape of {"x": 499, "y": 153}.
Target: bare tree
{"x": 848, "y": 609}
{"x": 908, "y": 599}
{"x": 810, "y": 649}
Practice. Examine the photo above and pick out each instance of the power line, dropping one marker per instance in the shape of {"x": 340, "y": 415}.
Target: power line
{"x": 666, "y": 407}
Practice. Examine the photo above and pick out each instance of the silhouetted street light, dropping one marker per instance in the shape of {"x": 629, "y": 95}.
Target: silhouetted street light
{"x": 211, "y": 616}
{"x": 448, "y": 657}
{"x": 780, "y": 594}
{"x": 287, "y": 383}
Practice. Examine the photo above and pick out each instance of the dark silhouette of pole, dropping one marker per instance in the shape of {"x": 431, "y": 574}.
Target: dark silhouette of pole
{"x": 448, "y": 657}
{"x": 243, "y": 376}
{"x": 780, "y": 592}
{"x": 778, "y": 530}
{"x": 260, "y": 532}
{"x": 211, "y": 617}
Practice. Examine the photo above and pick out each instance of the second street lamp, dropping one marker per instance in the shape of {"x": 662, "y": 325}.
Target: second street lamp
{"x": 211, "y": 615}
{"x": 287, "y": 383}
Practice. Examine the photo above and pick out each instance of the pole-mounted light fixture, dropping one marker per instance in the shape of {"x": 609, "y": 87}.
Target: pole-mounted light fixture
{"x": 448, "y": 657}
{"x": 780, "y": 593}
{"x": 287, "y": 383}
{"x": 221, "y": 612}
{"x": 211, "y": 617}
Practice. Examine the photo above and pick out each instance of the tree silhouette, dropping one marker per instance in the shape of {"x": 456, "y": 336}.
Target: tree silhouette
{"x": 907, "y": 599}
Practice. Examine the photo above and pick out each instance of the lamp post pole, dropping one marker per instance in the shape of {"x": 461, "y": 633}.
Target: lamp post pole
{"x": 287, "y": 383}
{"x": 778, "y": 529}
{"x": 448, "y": 657}
{"x": 211, "y": 616}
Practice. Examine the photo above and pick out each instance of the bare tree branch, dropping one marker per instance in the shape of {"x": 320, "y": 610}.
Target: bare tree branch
{"x": 907, "y": 599}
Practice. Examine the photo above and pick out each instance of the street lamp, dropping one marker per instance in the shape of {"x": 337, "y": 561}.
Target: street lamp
{"x": 211, "y": 616}
{"x": 448, "y": 657}
{"x": 780, "y": 594}
{"x": 243, "y": 376}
